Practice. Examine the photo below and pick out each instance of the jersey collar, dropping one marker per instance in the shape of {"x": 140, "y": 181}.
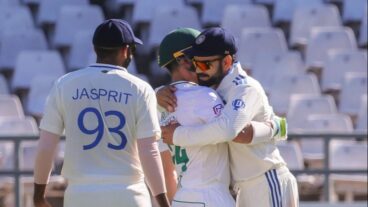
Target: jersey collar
{"x": 101, "y": 65}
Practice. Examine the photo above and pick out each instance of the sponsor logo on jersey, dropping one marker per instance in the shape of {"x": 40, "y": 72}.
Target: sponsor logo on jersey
{"x": 217, "y": 109}
{"x": 240, "y": 80}
{"x": 238, "y": 104}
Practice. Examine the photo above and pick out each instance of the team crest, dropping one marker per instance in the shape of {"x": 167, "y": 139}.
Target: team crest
{"x": 217, "y": 109}
{"x": 200, "y": 39}
{"x": 238, "y": 104}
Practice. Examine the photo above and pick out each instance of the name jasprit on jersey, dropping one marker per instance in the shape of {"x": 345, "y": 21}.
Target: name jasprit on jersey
{"x": 100, "y": 93}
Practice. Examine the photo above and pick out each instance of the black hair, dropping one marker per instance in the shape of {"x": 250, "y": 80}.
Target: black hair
{"x": 103, "y": 53}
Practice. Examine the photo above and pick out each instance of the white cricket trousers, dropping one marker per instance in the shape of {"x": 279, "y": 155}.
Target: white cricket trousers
{"x": 275, "y": 188}
{"x": 107, "y": 195}
{"x": 209, "y": 196}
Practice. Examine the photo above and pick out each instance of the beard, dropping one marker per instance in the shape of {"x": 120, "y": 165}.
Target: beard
{"x": 212, "y": 81}
{"x": 127, "y": 62}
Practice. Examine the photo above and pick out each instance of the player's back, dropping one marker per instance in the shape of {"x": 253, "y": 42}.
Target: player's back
{"x": 203, "y": 165}
{"x": 102, "y": 106}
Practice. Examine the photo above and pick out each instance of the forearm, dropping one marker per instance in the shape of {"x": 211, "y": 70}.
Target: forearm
{"x": 170, "y": 174}
{"x": 46, "y": 149}
{"x": 222, "y": 129}
{"x": 151, "y": 164}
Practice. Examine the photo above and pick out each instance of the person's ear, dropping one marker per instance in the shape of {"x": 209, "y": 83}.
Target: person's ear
{"x": 227, "y": 61}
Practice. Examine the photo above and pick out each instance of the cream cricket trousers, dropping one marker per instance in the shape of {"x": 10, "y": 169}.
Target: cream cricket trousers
{"x": 209, "y": 196}
{"x": 275, "y": 188}
{"x": 107, "y": 195}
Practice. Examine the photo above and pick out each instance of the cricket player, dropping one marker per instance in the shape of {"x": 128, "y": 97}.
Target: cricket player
{"x": 204, "y": 172}
{"x": 111, "y": 128}
{"x": 260, "y": 175}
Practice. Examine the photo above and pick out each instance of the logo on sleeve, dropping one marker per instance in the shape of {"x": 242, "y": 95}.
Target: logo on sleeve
{"x": 239, "y": 80}
{"x": 238, "y": 104}
{"x": 217, "y": 109}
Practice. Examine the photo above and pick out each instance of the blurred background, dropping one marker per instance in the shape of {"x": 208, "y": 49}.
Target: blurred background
{"x": 309, "y": 55}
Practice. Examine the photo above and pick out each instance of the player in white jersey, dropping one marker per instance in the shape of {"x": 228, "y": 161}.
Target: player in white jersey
{"x": 260, "y": 175}
{"x": 111, "y": 130}
{"x": 204, "y": 174}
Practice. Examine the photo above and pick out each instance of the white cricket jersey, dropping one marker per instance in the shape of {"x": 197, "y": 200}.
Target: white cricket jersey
{"x": 104, "y": 110}
{"x": 245, "y": 101}
{"x": 198, "y": 166}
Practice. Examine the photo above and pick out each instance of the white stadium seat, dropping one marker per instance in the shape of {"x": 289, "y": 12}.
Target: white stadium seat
{"x": 313, "y": 149}
{"x": 238, "y": 17}
{"x": 260, "y": 41}
{"x": 268, "y": 66}
{"x": 301, "y": 105}
{"x": 9, "y": 3}
{"x": 324, "y": 39}
{"x": 10, "y": 16}
{"x": 291, "y": 153}
{"x": 18, "y": 126}
{"x": 10, "y": 106}
{"x": 213, "y": 10}
{"x": 32, "y": 2}
{"x": 73, "y": 19}
{"x": 362, "y": 116}
{"x": 80, "y": 50}
{"x": 354, "y": 10}
{"x": 285, "y": 86}
{"x": 348, "y": 156}
{"x": 167, "y": 18}
{"x": 363, "y": 39}
{"x": 39, "y": 90}
{"x": 355, "y": 86}
{"x": 14, "y": 43}
{"x": 283, "y": 10}
{"x": 144, "y": 11}
{"x": 338, "y": 63}
{"x": 49, "y": 10}
{"x": 31, "y": 64}
{"x": 305, "y": 18}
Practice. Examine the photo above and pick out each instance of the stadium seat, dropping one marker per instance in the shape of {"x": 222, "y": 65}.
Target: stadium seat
{"x": 283, "y": 10}
{"x": 4, "y": 89}
{"x": 168, "y": 18}
{"x": 9, "y": 3}
{"x": 213, "y": 10}
{"x": 286, "y": 85}
{"x": 16, "y": 15}
{"x": 80, "y": 49}
{"x": 301, "y": 105}
{"x": 348, "y": 156}
{"x": 354, "y": 87}
{"x": 354, "y": 10}
{"x": 31, "y": 64}
{"x": 338, "y": 63}
{"x": 362, "y": 116}
{"x": 73, "y": 19}
{"x": 324, "y": 39}
{"x": 49, "y": 10}
{"x": 11, "y": 107}
{"x": 13, "y": 43}
{"x": 18, "y": 126}
{"x": 306, "y": 18}
{"x": 238, "y": 17}
{"x": 260, "y": 41}
{"x": 268, "y": 66}
{"x": 313, "y": 149}
{"x": 144, "y": 11}
{"x": 32, "y": 2}
{"x": 363, "y": 39}
{"x": 292, "y": 155}
{"x": 39, "y": 90}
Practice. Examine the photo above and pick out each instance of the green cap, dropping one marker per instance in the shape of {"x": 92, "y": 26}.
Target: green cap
{"x": 175, "y": 42}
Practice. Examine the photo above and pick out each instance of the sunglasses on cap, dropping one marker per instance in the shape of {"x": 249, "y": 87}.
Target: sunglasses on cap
{"x": 206, "y": 64}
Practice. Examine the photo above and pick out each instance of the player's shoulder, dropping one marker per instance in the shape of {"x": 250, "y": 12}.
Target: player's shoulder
{"x": 192, "y": 89}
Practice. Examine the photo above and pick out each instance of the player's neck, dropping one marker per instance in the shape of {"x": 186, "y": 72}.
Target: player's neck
{"x": 108, "y": 61}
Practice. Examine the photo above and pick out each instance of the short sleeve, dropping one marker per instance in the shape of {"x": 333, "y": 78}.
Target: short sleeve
{"x": 162, "y": 146}
{"x": 147, "y": 120}
{"x": 52, "y": 120}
